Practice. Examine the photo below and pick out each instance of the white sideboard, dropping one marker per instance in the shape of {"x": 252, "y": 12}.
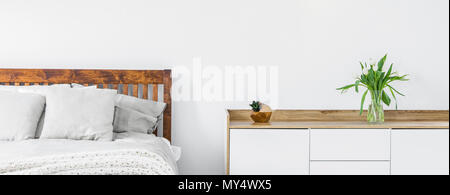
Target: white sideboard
{"x": 298, "y": 142}
{"x": 339, "y": 152}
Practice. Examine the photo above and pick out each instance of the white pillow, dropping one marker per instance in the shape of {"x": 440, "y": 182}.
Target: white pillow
{"x": 19, "y": 115}
{"x": 35, "y": 89}
{"x": 76, "y": 85}
{"x": 79, "y": 114}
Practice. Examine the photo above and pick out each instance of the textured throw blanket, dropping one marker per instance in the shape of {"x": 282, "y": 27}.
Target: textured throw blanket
{"x": 118, "y": 162}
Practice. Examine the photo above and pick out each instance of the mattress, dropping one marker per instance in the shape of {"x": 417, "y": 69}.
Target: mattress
{"x": 11, "y": 151}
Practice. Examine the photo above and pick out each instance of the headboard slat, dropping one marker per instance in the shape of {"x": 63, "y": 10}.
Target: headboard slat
{"x": 125, "y": 89}
{"x": 145, "y": 91}
{"x": 104, "y": 77}
{"x": 135, "y": 90}
{"x": 155, "y": 93}
{"x": 167, "y": 121}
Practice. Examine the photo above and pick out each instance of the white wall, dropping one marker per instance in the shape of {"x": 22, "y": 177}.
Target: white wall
{"x": 315, "y": 43}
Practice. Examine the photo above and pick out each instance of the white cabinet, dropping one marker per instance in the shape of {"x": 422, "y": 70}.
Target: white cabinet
{"x": 339, "y": 152}
{"x": 350, "y": 144}
{"x": 350, "y": 167}
{"x": 269, "y": 152}
{"x": 420, "y": 152}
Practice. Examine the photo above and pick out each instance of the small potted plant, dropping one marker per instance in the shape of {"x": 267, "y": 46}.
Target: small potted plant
{"x": 261, "y": 112}
{"x": 379, "y": 84}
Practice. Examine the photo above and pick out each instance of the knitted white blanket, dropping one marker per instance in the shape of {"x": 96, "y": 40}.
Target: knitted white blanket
{"x": 116, "y": 162}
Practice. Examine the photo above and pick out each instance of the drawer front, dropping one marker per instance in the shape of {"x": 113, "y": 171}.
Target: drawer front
{"x": 420, "y": 152}
{"x": 350, "y": 168}
{"x": 350, "y": 144}
{"x": 269, "y": 152}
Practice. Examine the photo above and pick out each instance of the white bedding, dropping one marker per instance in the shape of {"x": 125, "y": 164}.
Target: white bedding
{"x": 135, "y": 148}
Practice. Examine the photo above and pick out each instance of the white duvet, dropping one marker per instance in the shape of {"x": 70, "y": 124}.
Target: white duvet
{"x": 129, "y": 154}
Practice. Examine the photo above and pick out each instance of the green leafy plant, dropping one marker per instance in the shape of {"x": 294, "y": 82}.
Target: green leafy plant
{"x": 379, "y": 84}
{"x": 256, "y": 106}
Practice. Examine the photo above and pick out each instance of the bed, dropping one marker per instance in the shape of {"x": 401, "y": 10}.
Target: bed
{"x": 128, "y": 153}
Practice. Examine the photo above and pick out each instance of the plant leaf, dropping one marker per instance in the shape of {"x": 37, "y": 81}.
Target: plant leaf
{"x": 345, "y": 87}
{"x": 386, "y": 99}
{"x": 396, "y": 90}
{"x": 363, "y": 79}
{"x": 398, "y": 78}
{"x": 388, "y": 74}
{"x": 371, "y": 78}
{"x": 357, "y": 86}
{"x": 363, "y": 100}
{"x": 381, "y": 63}
{"x": 381, "y": 81}
{"x": 395, "y": 98}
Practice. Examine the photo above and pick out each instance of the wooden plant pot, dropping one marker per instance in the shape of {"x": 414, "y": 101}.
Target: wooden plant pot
{"x": 261, "y": 117}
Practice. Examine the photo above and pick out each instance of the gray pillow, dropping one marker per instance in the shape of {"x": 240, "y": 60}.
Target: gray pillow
{"x": 129, "y": 120}
{"x": 138, "y": 113}
{"x": 152, "y": 108}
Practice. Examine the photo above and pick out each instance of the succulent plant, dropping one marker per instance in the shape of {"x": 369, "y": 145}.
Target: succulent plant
{"x": 256, "y": 106}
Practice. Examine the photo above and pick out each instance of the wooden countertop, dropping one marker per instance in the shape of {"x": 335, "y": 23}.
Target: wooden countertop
{"x": 340, "y": 125}
{"x": 341, "y": 119}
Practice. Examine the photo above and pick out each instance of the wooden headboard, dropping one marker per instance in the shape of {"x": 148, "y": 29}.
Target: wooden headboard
{"x": 129, "y": 82}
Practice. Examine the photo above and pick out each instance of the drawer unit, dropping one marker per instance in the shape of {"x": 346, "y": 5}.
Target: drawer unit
{"x": 420, "y": 152}
{"x": 350, "y": 168}
{"x": 269, "y": 152}
{"x": 350, "y": 144}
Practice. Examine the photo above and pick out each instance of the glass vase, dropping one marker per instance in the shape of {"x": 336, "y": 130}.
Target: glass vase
{"x": 376, "y": 112}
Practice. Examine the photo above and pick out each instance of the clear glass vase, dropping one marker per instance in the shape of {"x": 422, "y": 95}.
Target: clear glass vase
{"x": 376, "y": 112}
